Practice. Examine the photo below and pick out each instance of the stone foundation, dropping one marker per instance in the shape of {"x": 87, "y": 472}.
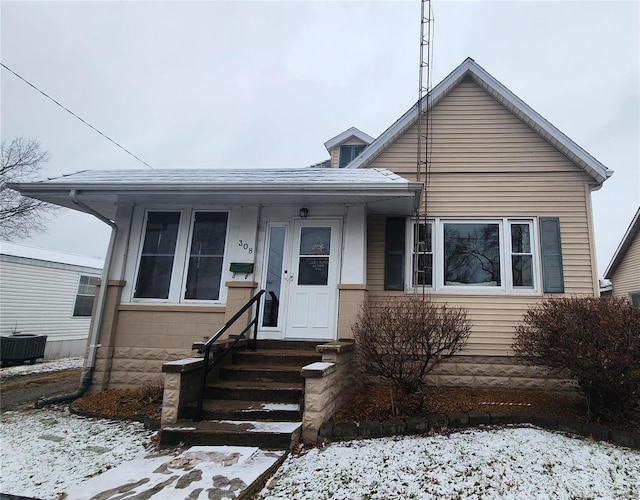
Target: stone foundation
{"x": 325, "y": 385}
{"x": 497, "y": 372}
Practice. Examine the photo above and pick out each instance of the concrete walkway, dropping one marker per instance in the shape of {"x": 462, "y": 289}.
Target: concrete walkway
{"x": 207, "y": 472}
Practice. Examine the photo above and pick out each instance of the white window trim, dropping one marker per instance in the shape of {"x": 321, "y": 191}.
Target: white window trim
{"x": 179, "y": 272}
{"x": 437, "y": 246}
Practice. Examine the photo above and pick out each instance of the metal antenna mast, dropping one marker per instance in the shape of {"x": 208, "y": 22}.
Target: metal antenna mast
{"x": 424, "y": 138}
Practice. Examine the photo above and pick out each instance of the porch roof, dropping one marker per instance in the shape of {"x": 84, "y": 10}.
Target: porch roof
{"x": 382, "y": 191}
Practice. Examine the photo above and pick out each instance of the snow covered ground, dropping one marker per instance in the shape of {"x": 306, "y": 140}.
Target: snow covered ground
{"x": 45, "y": 452}
{"x": 41, "y": 367}
{"x": 510, "y": 463}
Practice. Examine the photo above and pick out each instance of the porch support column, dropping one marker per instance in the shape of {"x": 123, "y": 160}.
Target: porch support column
{"x": 241, "y": 249}
{"x": 352, "y": 288}
{"x": 354, "y": 255}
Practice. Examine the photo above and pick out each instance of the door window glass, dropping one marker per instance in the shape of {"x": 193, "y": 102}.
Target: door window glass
{"x": 315, "y": 247}
{"x": 274, "y": 276}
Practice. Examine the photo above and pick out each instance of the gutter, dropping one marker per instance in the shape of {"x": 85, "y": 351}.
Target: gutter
{"x": 87, "y": 373}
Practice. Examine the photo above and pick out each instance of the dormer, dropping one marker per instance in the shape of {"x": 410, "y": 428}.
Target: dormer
{"x": 344, "y": 147}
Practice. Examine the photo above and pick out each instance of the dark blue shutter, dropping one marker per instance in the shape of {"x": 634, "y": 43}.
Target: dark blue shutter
{"x": 394, "y": 253}
{"x": 552, "y": 276}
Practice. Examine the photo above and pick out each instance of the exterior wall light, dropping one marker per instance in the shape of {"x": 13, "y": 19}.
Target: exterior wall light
{"x": 304, "y": 212}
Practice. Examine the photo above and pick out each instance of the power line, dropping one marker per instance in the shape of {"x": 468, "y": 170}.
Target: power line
{"x": 72, "y": 113}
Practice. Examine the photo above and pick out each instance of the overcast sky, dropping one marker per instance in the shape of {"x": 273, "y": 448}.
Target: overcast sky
{"x": 265, "y": 84}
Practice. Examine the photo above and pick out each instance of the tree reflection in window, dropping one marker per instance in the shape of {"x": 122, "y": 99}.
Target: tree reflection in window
{"x": 472, "y": 254}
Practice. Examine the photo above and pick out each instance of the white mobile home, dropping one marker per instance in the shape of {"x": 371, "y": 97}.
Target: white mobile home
{"x": 48, "y": 293}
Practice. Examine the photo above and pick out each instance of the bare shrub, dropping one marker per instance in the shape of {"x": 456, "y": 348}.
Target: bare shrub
{"x": 596, "y": 340}
{"x": 403, "y": 339}
{"x": 150, "y": 391}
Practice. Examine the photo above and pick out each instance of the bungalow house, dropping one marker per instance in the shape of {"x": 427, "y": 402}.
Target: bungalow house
{"x": 624, "y": 269}
{"x": 505, "y": 222}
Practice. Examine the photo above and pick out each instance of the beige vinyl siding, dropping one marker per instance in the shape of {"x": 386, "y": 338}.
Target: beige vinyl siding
{"x": 335, "y": 151}
{"x": 626, "y": 278}
{"x": 486, "y": 163}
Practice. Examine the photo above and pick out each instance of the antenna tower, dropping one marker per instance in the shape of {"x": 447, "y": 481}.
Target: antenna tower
{"x": 423, "y": 157}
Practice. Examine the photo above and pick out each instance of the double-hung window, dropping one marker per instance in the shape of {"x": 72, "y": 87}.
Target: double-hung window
{"x": 158, "y": 255}
{"x": 84, "y": 298}
{"x": 182, "y": 255}
{"x": 422, "y": 254}
{"x": 465, "y": 254}
{"x": 206, "y": 256}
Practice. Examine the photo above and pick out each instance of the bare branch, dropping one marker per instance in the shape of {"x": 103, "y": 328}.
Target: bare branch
{"x": 20, "y": 217}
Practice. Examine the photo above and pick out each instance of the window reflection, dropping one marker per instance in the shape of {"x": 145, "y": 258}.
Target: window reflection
{"x": 472, "y": 254}
{"x": 274, "y": 276}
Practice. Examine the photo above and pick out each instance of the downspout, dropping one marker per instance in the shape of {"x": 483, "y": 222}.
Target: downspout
{"x": 87, "y": 373}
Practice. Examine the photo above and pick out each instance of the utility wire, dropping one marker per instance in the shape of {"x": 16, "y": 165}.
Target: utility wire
{"x": 72, "y": 113}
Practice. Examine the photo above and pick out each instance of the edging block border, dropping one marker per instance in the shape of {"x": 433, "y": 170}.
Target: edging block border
{"x": 436, "y": 422}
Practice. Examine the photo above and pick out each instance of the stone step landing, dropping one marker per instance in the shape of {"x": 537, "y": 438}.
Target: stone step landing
{"x": 262, "y": 434}
{"x": 255, "y": 401}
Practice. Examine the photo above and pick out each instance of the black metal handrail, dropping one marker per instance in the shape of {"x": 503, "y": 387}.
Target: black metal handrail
{"x": 206, "y": 348}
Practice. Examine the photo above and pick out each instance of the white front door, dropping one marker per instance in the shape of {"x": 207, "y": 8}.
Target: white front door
{"x": 312, "y": 279}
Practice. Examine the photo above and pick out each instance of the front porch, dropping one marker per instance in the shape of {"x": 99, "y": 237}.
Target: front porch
{"x": 269, "y": 397}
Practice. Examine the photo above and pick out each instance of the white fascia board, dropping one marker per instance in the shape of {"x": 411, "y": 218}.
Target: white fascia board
{"x": 388, "y": 189}
{"x": 522, "y": 110}
{"x": 347, "y": 134}
{"x": 538, "y": 123}
{"x": 625, "y": 243}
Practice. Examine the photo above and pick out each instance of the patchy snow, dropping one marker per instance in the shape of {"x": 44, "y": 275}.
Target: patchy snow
{"x": 280, "y": 406}
{"x": 46, "y": 451}
{"x": 262, "y": 426}
{"x": 55, "y": 365}
{"x": 318, "y": 366}
{"x": 510, "y": 463}
{"x": 184, "y": 362}
{"x": 198, "y": 472}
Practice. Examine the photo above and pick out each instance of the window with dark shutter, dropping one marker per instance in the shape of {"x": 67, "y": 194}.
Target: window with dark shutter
{"x": 394, "y": 253}
{"x": 552, "y": 275}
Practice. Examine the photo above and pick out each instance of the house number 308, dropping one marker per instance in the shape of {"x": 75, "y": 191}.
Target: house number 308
{"x": 245, "y": 246}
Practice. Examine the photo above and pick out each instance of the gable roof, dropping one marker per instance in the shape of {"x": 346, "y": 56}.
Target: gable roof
{"x": 348, "y": 134}
{"x": 470, "y": 69}
{"x": 627, "y": 239}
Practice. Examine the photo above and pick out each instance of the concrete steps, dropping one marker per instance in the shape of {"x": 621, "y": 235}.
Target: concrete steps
{"x": 256, "y": 401}
{"x": 264, "y": 435}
